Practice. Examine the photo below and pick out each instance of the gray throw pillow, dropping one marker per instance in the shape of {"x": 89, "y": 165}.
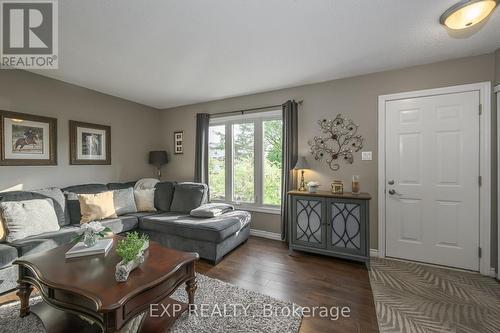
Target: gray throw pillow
{"x": 211, "y": 210}
{"x": 53, "y": 193}
{"x": 124, "y": 201}
{"x": 28, "y": 218}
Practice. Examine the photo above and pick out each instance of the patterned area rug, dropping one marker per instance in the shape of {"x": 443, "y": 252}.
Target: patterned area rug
{"x": 219, "y": 316}
{"x": 417, "y": 298}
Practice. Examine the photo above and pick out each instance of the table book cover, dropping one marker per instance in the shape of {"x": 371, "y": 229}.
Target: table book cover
{"x": 102, "y": 246}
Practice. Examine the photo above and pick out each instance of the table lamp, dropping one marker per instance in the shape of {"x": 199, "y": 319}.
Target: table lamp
{"x": 302, "y": 166}
{"x": 158, "y": 158}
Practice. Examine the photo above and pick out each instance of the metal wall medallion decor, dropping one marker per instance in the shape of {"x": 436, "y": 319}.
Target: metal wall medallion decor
{"x": 339, "y": 142}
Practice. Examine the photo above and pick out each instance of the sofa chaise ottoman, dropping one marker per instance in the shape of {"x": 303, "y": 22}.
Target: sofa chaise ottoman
{"x": 170, "y": 225}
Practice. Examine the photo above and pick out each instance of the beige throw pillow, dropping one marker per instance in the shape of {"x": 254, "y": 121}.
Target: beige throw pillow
{"x": 145, "y": 200}
{"x": 97, "y": 206}
{"x": 3, "y": 232}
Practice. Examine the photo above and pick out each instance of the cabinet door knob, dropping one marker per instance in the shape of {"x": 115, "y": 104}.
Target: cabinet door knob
{"x": 390, "y": 182}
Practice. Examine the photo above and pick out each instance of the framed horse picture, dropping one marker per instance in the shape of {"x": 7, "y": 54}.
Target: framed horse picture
{"x": 89, "y": 144}
{"x": 27, "y": 139}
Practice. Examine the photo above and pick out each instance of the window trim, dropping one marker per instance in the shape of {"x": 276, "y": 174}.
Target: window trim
{"x": 257, "y": 119}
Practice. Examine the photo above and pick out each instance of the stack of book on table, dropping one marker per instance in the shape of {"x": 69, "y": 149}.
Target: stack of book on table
{"x": 102, "y": 246}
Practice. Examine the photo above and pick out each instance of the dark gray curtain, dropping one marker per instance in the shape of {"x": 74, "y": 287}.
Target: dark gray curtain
{"x": 290, "y": 153}
{"x": 201, "y": 150}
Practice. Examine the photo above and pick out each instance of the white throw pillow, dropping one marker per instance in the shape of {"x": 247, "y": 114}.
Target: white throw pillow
{"x": 145, "y": 200}
{"x": 28, "y": 218}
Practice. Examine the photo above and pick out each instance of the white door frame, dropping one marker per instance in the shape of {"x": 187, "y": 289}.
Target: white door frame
{"x": 484, "y": 89}
{"x": 497, "y": 91}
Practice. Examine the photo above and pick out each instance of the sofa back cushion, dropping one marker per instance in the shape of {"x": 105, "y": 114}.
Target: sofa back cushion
{"x": 164, "y": 192}
{"x": 72, "y": 203}
{"x": 188, "y": 196}
{"x": 120, "y": 186}
{"x": 28, "y": 218}
{"x": 53, "y": 193}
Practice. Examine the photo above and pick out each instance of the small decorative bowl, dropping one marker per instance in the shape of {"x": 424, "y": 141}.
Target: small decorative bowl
{"x": 312, "y": 189}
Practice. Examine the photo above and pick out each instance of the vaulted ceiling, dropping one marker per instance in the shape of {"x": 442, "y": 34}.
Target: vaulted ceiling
{"x": 166, "y": 53}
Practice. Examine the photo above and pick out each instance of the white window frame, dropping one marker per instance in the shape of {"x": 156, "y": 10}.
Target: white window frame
{"x": 257, "y": 119}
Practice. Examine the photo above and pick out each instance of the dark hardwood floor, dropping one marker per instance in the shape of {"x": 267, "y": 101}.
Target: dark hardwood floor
{"x": 264, "y": 266}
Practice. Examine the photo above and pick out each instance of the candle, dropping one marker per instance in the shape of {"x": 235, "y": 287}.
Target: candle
{"x": 355, "y": 184}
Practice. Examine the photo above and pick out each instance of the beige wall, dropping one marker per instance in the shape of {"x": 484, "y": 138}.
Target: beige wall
{"x": 134, "y": 130}
{"x": 497, "y": 66}
{"x": 355, "y": 97}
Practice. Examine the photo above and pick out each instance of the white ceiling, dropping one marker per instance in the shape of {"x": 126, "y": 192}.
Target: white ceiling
{"x": 166, "y": 53}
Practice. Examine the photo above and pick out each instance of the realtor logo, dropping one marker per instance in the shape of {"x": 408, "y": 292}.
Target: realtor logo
{"x": 29, "y": 36}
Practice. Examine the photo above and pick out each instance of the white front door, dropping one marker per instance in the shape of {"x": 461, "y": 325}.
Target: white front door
{"x": 432, "y": 179}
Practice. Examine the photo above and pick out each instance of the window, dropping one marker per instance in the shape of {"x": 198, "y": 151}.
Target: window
{"x": 217, "y": 162}
{"x": 245, "y": 160}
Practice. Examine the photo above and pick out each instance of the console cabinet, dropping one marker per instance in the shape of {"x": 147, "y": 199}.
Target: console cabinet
{"x": 330, "y": 224}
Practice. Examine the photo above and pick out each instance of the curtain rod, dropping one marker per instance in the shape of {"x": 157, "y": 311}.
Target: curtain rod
{"x": 243, "y": 111}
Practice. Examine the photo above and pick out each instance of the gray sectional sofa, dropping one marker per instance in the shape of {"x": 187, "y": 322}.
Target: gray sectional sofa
{"x": 171, "y": 225}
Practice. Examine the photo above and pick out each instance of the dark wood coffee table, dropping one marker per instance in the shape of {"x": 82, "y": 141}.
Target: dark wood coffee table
{"x": 82, "y": 295}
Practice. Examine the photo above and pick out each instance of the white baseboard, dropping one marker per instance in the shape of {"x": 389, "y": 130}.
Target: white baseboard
{"x": 265, "y": 234}
{"x": 492, "y": 272}
{"x": 373, "y": 253}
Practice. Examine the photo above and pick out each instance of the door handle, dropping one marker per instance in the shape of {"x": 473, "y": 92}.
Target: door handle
{"x": 393, "y": 192}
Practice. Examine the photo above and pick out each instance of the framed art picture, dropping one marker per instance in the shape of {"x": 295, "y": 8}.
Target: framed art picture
{"x": 89, "y": 144}
{"x": 27, "y": 139}
{"x": 178, "y": 139}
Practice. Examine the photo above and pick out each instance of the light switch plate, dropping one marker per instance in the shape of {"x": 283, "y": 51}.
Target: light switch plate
{"x": 366, "y": 155}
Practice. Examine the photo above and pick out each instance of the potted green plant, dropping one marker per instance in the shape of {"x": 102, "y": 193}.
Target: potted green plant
{"x": 131, "y": 250}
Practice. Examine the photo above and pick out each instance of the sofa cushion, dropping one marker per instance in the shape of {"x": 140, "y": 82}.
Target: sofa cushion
{"x": 124, "y": 201}
{"x": 140, "y": 215}
{"x": 188, "y": 196}
{"x": 120, "y": 186}
{"x": 7, "y": 255}
{"x": 28, "y": 218}
{"x": 164, "y": 193}
{"x": 45, "y": 241}
{"x": 214, "y": 229}
{"x": 53, "y": 193}
{"x": 72, "y": 203}
{"x": 121, "y": 224}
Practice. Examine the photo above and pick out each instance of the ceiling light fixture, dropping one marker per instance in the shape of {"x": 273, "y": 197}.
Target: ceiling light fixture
{"x": 467, "y": 13}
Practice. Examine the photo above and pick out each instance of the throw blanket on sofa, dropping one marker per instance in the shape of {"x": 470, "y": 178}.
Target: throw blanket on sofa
{"x": 146, "y": 184}
{"x": 211, "y": 210}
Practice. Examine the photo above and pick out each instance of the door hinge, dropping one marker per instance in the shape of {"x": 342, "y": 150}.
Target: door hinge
{"x": 480, "y": 180}
{"x": 479, "y": 252}
{"x": 480, "y": 109}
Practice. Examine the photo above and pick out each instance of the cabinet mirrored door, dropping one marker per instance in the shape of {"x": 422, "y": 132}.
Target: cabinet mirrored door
{"x": 346, "y": 229}
{"x": 309, "y": 227}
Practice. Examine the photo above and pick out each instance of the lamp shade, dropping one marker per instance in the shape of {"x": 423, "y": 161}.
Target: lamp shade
{"x": 301, "y": 164}
{"x": 467, "y": 13}
{"x": 158, "y": 157}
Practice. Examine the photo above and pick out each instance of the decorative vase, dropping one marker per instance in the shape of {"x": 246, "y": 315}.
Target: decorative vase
{"x": 123, "y": 268}
{"x": 89, "y": 239}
